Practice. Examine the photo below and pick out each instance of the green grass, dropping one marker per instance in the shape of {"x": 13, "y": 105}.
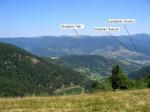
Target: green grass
{"x": 120, "y": 101}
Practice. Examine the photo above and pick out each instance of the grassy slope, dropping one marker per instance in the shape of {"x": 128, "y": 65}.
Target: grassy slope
{"x": 121, "y": 101}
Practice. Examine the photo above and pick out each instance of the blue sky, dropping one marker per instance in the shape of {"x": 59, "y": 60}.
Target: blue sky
{"x": 42, "y": 17}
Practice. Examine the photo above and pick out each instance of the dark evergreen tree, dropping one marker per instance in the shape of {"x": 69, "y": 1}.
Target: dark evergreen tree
{"x": 118, "y": 79}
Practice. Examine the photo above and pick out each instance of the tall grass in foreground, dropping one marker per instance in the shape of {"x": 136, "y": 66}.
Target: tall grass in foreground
{"x": 120, "y": 101}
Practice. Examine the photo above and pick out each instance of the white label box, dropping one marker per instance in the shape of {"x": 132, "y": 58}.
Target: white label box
{"x": 124, "y": 21}
{"x": 71, "y": 26}
{"x": 107, "y": 29}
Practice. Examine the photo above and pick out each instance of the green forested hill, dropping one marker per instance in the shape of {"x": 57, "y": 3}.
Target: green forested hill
{"x": 24, "y": 74}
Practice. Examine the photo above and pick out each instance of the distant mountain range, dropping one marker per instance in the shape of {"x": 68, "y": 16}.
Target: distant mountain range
{"x": 86, "y": 45}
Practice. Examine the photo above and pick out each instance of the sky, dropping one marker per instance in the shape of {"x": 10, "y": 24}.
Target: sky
{"x": 27, "y": 18}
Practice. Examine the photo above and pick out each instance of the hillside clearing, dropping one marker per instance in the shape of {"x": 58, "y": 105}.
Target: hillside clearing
{"x": 120, "y": 101}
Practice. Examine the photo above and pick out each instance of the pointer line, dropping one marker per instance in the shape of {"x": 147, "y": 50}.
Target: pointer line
{"x": 132, "y": 42}
{"x": 76, "y": 33}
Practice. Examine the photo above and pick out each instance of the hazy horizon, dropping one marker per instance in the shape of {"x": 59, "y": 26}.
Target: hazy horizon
{"x": 73, "y": 36}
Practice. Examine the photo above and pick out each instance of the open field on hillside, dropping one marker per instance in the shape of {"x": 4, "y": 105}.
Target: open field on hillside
{"x": 120, "y": 101}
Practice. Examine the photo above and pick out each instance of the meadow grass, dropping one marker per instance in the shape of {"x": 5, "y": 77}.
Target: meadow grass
{"x": 119, "y": 101}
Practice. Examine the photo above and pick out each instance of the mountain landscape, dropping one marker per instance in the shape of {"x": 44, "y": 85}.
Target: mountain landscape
{"x": 74, "y": 56}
